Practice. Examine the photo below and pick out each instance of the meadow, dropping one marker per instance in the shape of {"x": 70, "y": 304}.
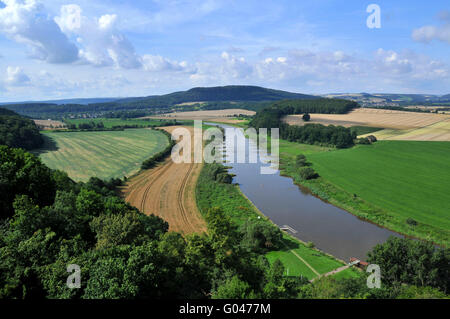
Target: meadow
{"x": 402, "y": 185}
{"x": 104, "y": 154}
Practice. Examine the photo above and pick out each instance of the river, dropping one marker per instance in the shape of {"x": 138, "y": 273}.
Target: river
{"x": 331, "y": 229}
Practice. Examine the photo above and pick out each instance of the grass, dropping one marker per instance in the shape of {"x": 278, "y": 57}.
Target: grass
{"x": 109, "y": 154}
{"x": 347, "y": 274}
{"x": 361, "y": 130}
{"x": 111, "y": 122}
{"x": 233, "y": 202}
{"x": 387, "y": 183}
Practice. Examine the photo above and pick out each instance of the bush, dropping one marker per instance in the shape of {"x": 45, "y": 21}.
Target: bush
{"x": 306, "y": 117}
{"x": 307, "y": 173}
{"x": 300, "y": 160}
{"x": 411, "y": 222}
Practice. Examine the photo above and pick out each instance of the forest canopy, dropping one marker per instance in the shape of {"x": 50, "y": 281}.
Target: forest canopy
{"x": 17, "y": 131}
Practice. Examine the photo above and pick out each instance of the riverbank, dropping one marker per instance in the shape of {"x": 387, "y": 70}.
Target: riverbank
{"x": 230, "y": 198}
{"x": 364, "y": 177}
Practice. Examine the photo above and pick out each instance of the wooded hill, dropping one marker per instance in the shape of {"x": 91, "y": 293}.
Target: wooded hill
{"x": 246, "y": 96}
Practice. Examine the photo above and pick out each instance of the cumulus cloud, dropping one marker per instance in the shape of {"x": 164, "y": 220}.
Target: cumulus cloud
{"x": 236, "y": 67}
{"x": 102, "y": 44}
{"x": 15, "y": 76}
{"x": 429, "y": 33}
{"x": 156, "y": 63}
{"x": 25, "y": 22}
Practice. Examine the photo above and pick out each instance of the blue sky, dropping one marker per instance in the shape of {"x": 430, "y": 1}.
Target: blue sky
{"x": 88, "y": 48}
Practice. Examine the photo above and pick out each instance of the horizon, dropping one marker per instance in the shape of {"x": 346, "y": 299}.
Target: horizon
{"x": 270, "y": 88}
{"x": 92, "y": 49}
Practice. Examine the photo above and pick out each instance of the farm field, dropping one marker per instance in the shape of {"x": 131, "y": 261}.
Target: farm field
{"x": 406, "y": 179}
{"x": 224, "y": 116}
{"x": 168, "y": 191}
{"x": 389, "y": 119}
{"x": 436, "y": 132}
{"x": 108, "y": 154}
{"x": 111, "y": 122}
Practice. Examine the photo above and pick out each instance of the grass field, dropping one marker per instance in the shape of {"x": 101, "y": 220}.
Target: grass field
{"x": 404, "y": 179}
{"x": 108, "y": 154}
{"x": 229, "y": 197}
{"x": 111, "y": 122}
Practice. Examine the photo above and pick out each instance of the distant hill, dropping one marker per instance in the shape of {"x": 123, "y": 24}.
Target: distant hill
{"x": 218, "y": 97}
{"x": 445, "y": 97}
{"x": 82, "y": 101}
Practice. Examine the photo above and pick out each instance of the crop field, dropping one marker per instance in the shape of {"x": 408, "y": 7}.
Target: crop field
{"x": 111, "y": 122}
{"x": 406, "y": 179}
{"x": 108, "y": 154}
{"x": 168, "y": 191}
{"x": 436, "y": 132}
{"x": 389, "y": 119}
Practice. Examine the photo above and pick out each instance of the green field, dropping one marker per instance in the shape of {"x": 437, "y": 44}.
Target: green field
{"x": 111, "y": 122}
{"x": 108, "y": 154}
{"x": 402, "y": 179}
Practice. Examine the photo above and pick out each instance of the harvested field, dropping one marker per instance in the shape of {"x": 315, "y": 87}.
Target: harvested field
{"x": 49, "y": 124}
{"x": 435, "y": 132}
{"x": 168, "y": 191}
{"x": 224, "y": 116}
{"x": 388, "y": 119}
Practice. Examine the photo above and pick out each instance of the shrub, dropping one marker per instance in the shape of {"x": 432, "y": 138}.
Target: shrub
{"x": 307, "y": 173}
{"x": 306, "y": 117}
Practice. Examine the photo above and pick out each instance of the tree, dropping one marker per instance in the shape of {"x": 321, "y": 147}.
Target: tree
{"x": 233, "y": 288}
{"x": 22, "y": 173}
{"x": 412, "y": 262}
{"x": 306, "y": 117}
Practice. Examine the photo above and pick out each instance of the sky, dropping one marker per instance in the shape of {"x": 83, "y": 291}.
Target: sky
{"x": 56, "y": 49}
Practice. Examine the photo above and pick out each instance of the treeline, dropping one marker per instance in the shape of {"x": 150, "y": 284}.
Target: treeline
{"x": 17, "y": 131}
{"x": 327, "y": 106}
{"x": 331, "y": 135}
{"x": 159, "y": 157}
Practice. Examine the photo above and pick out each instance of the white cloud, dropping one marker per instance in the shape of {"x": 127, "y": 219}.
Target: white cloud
{"x": 429, "y": 33}
{"x": 156, "y": 63}
{"x": 25, "y": 22}
{"x": 235, "y": 67}
{"x": 102, "y": 44}
{"x": 15, "y": 76}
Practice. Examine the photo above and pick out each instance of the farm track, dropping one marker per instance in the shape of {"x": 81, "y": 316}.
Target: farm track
{"x": 168, "y": 191}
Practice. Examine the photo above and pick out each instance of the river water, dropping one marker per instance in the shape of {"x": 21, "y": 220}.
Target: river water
{"x": 331, "y": 229}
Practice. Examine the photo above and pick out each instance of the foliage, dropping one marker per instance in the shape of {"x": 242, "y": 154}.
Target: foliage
{"x": 412, "y": 262}
{"x": 307, "y": 173}
{"x": 338, "y": 136}
{"x": 17, "y": 131}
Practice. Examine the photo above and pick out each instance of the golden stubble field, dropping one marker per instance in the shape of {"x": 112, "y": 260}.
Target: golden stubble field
{"x": 168, "y": 191}
{"x": 398, "y": 125}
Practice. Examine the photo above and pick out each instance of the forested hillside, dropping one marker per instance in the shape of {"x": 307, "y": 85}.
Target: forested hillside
{"x": 17, "y": 131}
{"x": 220, "y": 97}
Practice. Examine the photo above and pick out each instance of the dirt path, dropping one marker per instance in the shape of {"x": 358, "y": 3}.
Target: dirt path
{"x": 168, "y": 191}
{"x": 333, "y": 272}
